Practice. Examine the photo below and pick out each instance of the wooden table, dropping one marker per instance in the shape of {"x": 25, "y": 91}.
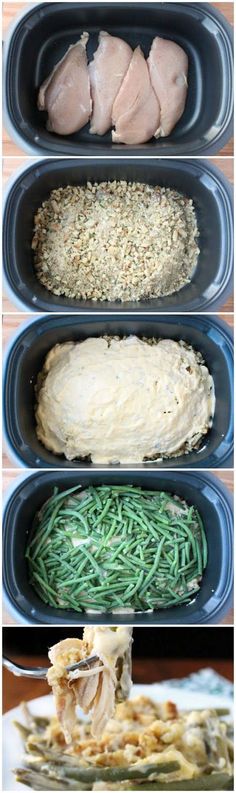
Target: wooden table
{"x": 227, "y": 477}
{"x": 12, "y": 10}
{"x": 11, "y": 164}
{"x": 11, "y": 323}
{"x": 16, "y": 690}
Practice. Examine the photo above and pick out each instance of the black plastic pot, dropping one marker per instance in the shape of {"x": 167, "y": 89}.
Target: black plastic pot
{"x": 212, "y": 281}
{"x": 41, "y": 37}
{"x": 207, "y": 334}
{"x": 202, "y": 489}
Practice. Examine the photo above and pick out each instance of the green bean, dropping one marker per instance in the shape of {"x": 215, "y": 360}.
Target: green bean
{"x": 154, "y": 568}
{"x": 129, "y": 595}
{"x": 47, "y": 530}
{"x": 139, "y": 554}
{"x": 42, "y": 781}
{"x": 119, "y": 773}
{"x": 71, "y": 767}
{"x": 44, "y": 584}
{"x": 24, "y": 731}
{"x": 204, "y": 542}
{"x": 216, "y": 781}
{"x": 103, "y": 513}
{"x": 199, "y": 558}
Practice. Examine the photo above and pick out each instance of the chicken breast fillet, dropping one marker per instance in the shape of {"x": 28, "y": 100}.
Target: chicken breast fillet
{"x": 107, "y": 70}
{"x": 168, "y": 68}
{"x": 98, "y": 687}
{"x": 136, "y": 110}
{"x": 65, "y": 94}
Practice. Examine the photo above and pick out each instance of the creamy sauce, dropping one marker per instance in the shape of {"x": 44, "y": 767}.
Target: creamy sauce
{"x": 123, "y": 401}
{"x": 108, "y": 644}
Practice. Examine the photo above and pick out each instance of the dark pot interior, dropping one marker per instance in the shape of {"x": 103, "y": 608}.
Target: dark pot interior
{"x": 42, "y": 37}
{"x": 202, "y": 489}
{"x": 211, "y": 283}
{"x": 206, "y": 334}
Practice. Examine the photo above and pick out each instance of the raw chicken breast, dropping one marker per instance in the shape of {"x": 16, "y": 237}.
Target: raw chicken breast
{"x": 136, "y": 111}
{"x": 65, "y": 94}
{"x": 168, "y": 68}
{"x": 107, "y": 70}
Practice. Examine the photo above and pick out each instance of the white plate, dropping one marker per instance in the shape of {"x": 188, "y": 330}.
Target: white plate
{"x": 44, "y": 706}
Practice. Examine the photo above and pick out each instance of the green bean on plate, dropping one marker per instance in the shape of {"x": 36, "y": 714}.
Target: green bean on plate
{"x": 149, "y": 746}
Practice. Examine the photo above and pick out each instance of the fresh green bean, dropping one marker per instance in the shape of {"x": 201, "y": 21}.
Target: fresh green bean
{"x": 116, "y": 545}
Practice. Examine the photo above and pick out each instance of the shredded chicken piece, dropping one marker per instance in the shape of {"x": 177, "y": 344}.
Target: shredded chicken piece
{"x": 97, "y": 688}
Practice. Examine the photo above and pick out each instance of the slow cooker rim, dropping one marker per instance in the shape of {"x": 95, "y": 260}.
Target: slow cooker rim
{"x": 204, "y": 166}
{"x": 208, "y": 479}
{"x": 225, "y": 330}
{"x": 219, "y": 141}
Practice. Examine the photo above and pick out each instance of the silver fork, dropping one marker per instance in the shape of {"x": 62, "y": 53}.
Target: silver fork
{"x": 40, "y": 672}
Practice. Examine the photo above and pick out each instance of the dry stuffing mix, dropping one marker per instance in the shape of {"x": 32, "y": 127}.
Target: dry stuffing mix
{"x": 115, "y": 241}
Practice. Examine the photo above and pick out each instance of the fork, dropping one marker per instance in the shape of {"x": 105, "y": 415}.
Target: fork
{"x": 40, "y": 672}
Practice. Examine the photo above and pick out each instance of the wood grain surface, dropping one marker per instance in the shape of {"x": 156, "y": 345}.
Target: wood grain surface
{"x": 145, "y": 670}
{"x": 11, "y": 11}
{"x": 11, "y": 322}
{"x": 10, "y": 476}
{"x": 11, "y": 165}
